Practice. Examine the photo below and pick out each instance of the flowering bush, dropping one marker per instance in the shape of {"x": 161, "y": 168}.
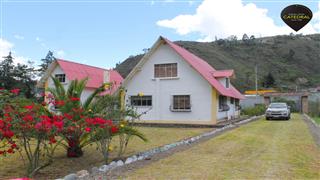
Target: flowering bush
{"x": 29, "y": 129}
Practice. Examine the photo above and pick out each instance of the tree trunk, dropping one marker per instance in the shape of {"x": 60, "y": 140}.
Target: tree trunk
{"x": 74, "y": 149}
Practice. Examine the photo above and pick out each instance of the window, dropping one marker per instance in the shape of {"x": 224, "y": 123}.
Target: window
{"x": 227, "y": 82}
{"x": 61, "y": 77}
{"x": 165, "y": 70}
{"x": 141, "y": 100}
{"x": 232, "y": 100}
{"x": 237, "y": 102}
{"x": 223, "y": 106}
{"x": 181, "y": 103}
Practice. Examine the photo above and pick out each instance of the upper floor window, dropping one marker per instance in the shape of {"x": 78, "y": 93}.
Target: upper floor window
{"x": 61, "y": 77}
{"x": 141, "y": 100}
{"x": 227, "y": 82}
{"x": 181, "y": 103}
{"x": 165, "y": 70}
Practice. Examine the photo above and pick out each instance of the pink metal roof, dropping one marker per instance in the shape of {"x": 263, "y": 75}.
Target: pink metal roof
{"x": 222, "y": 73}
{"x": 75, "y": 70}
{"x": 205, "y": 70}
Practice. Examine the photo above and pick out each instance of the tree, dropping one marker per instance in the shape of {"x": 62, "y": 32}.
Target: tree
{"x": 268, "y": 81}
{"x": 245, "y": 37}
{"x": 46, "y": 62}
{"x": 68, "y": 103}
{"x": 7, "y": 80}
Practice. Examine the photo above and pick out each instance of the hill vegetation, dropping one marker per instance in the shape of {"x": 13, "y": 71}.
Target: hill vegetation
{"x": 287, "y": 62}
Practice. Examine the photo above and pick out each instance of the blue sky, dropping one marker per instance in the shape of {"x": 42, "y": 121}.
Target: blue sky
{"x": 102, "y": 33}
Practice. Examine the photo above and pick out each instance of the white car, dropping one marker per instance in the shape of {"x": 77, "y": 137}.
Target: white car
{"x": 278, "y": 111}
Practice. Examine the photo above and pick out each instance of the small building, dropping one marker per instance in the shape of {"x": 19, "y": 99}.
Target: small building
{"x": 172, "y": 85}
{"x": 66, "y": 71}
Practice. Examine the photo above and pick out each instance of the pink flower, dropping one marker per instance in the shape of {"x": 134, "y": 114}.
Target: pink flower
{"x": 15, "y": 91}
{"x": 29, "y": 107}
{"x": 75, "y": 99}
{"x": 87, "y": 129}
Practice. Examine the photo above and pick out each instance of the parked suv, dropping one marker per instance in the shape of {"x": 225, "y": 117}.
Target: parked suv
{"x": 278, "y": 111}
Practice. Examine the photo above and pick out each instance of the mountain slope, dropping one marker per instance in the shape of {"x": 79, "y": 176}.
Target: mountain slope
{"x": 292, "y": 60}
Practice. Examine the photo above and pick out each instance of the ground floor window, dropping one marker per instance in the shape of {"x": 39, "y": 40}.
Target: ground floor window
{"x": 141, "y": 100}
{"x": 237, "y": 103}
{"x": 181, "y": 103}
{"x": 223, "y": 105}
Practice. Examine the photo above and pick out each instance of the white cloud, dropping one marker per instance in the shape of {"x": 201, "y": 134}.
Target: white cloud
{"x": 316, "y": 17}
{"x": 38, "y": 39}
{"x": 6, "y": 47}
{"x": 19, "y": 37}
{"x": 60, "y": 53}
{"x": 225, "y": 18}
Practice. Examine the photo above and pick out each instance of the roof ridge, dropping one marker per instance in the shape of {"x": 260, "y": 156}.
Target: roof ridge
{"x": 69, "y": 61}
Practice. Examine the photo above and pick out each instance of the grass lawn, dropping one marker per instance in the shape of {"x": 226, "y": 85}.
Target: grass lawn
{"x": 316, "y": 119}
{"x": 12, "y": 166}
{"x": 259, "y": 150}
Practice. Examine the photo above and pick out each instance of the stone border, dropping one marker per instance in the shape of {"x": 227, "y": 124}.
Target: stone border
{"x": 84, "y": 174}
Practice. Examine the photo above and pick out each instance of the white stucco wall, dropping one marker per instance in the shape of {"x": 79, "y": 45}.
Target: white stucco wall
{"x": 189, "y": 82}
{"x": 85, "y": 94}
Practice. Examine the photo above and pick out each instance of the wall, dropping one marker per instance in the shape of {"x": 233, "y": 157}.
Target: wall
{"x": 189, "y": 82}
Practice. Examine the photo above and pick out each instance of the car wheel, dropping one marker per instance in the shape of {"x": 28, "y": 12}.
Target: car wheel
{"x": 267, "y": 118}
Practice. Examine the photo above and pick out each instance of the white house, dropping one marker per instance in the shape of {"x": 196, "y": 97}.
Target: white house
{"x": 66, "y": 71}
{"x": 172, "y": 85}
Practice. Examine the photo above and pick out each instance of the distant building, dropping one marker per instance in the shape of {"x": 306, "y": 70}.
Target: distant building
{"x": 66, "y": 71}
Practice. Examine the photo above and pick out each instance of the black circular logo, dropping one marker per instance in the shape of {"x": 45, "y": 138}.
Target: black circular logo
{"x": 296, "y": 16}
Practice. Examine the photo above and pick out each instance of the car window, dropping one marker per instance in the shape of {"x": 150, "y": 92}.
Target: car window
{"x": 278, "y": 106}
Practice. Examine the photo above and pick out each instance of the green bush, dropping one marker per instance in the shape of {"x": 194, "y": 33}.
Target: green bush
{"x": 259, "y": 109}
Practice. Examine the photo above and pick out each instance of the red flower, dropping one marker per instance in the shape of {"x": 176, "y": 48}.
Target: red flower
{"x": 87, "y": 129}
{"x": 15, "y": 91}
{"x": 28, "y": 118}
{"x": 10, "y": 151}
{"x": 43, "y": 103}
{"x": 58, "y": 124}
{"x": 114, "y": 129}
{"x": 13, "y": 146}
{"x": 1, "y": 152}
{"x": 28, "y": 107}
{"x": 1, "y": 124}
{"x": 1, "y": 88}
{"x": 8, "y": 134}
{"x": 52, "y": 140}
{"x": 75, "y": 99}
{"x": 59, "y": 103}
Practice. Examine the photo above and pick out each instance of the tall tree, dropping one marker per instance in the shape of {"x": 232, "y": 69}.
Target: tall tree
{"x": 7, "y": 72}
{"x": 46, "y": 62}
{"x": 268, "y": 81}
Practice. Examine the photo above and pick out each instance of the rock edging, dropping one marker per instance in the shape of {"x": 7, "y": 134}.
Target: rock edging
{"x": 84, "y": 174}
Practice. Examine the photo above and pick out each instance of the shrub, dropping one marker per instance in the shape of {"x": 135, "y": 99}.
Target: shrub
{"x": 259, "y": 109}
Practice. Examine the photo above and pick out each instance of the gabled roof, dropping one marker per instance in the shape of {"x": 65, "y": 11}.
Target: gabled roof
{"x": 201, "y": 66}
{"x": 223, "y": 73}
{"x": 79, "y": 71}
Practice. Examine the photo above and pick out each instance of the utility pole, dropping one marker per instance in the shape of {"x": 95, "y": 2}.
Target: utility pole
{"x": 256, "y": 78}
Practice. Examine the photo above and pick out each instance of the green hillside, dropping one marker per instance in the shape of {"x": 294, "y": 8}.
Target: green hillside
{"x": 293, "y": 61}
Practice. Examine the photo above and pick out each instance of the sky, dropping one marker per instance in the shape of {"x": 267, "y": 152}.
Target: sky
{"x": 104, "y": 32}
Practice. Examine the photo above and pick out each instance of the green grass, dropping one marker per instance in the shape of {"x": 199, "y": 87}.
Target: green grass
{"x": 12, "y": 166}
{"x": 259, "y": 150}
{"x": 316, "y": 119}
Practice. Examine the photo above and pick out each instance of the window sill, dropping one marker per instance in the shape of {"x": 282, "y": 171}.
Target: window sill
{"x": 181, "y": 110}
{"x": 166, "y": 78}
{"x": 142, "y": 106}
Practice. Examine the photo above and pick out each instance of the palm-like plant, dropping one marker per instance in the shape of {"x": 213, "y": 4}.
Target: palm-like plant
{"x": 72, "y": 106}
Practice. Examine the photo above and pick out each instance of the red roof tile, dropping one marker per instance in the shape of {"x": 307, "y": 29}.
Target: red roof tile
{"x": 205, "y": 70}
{"x": 75, "y": 70}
